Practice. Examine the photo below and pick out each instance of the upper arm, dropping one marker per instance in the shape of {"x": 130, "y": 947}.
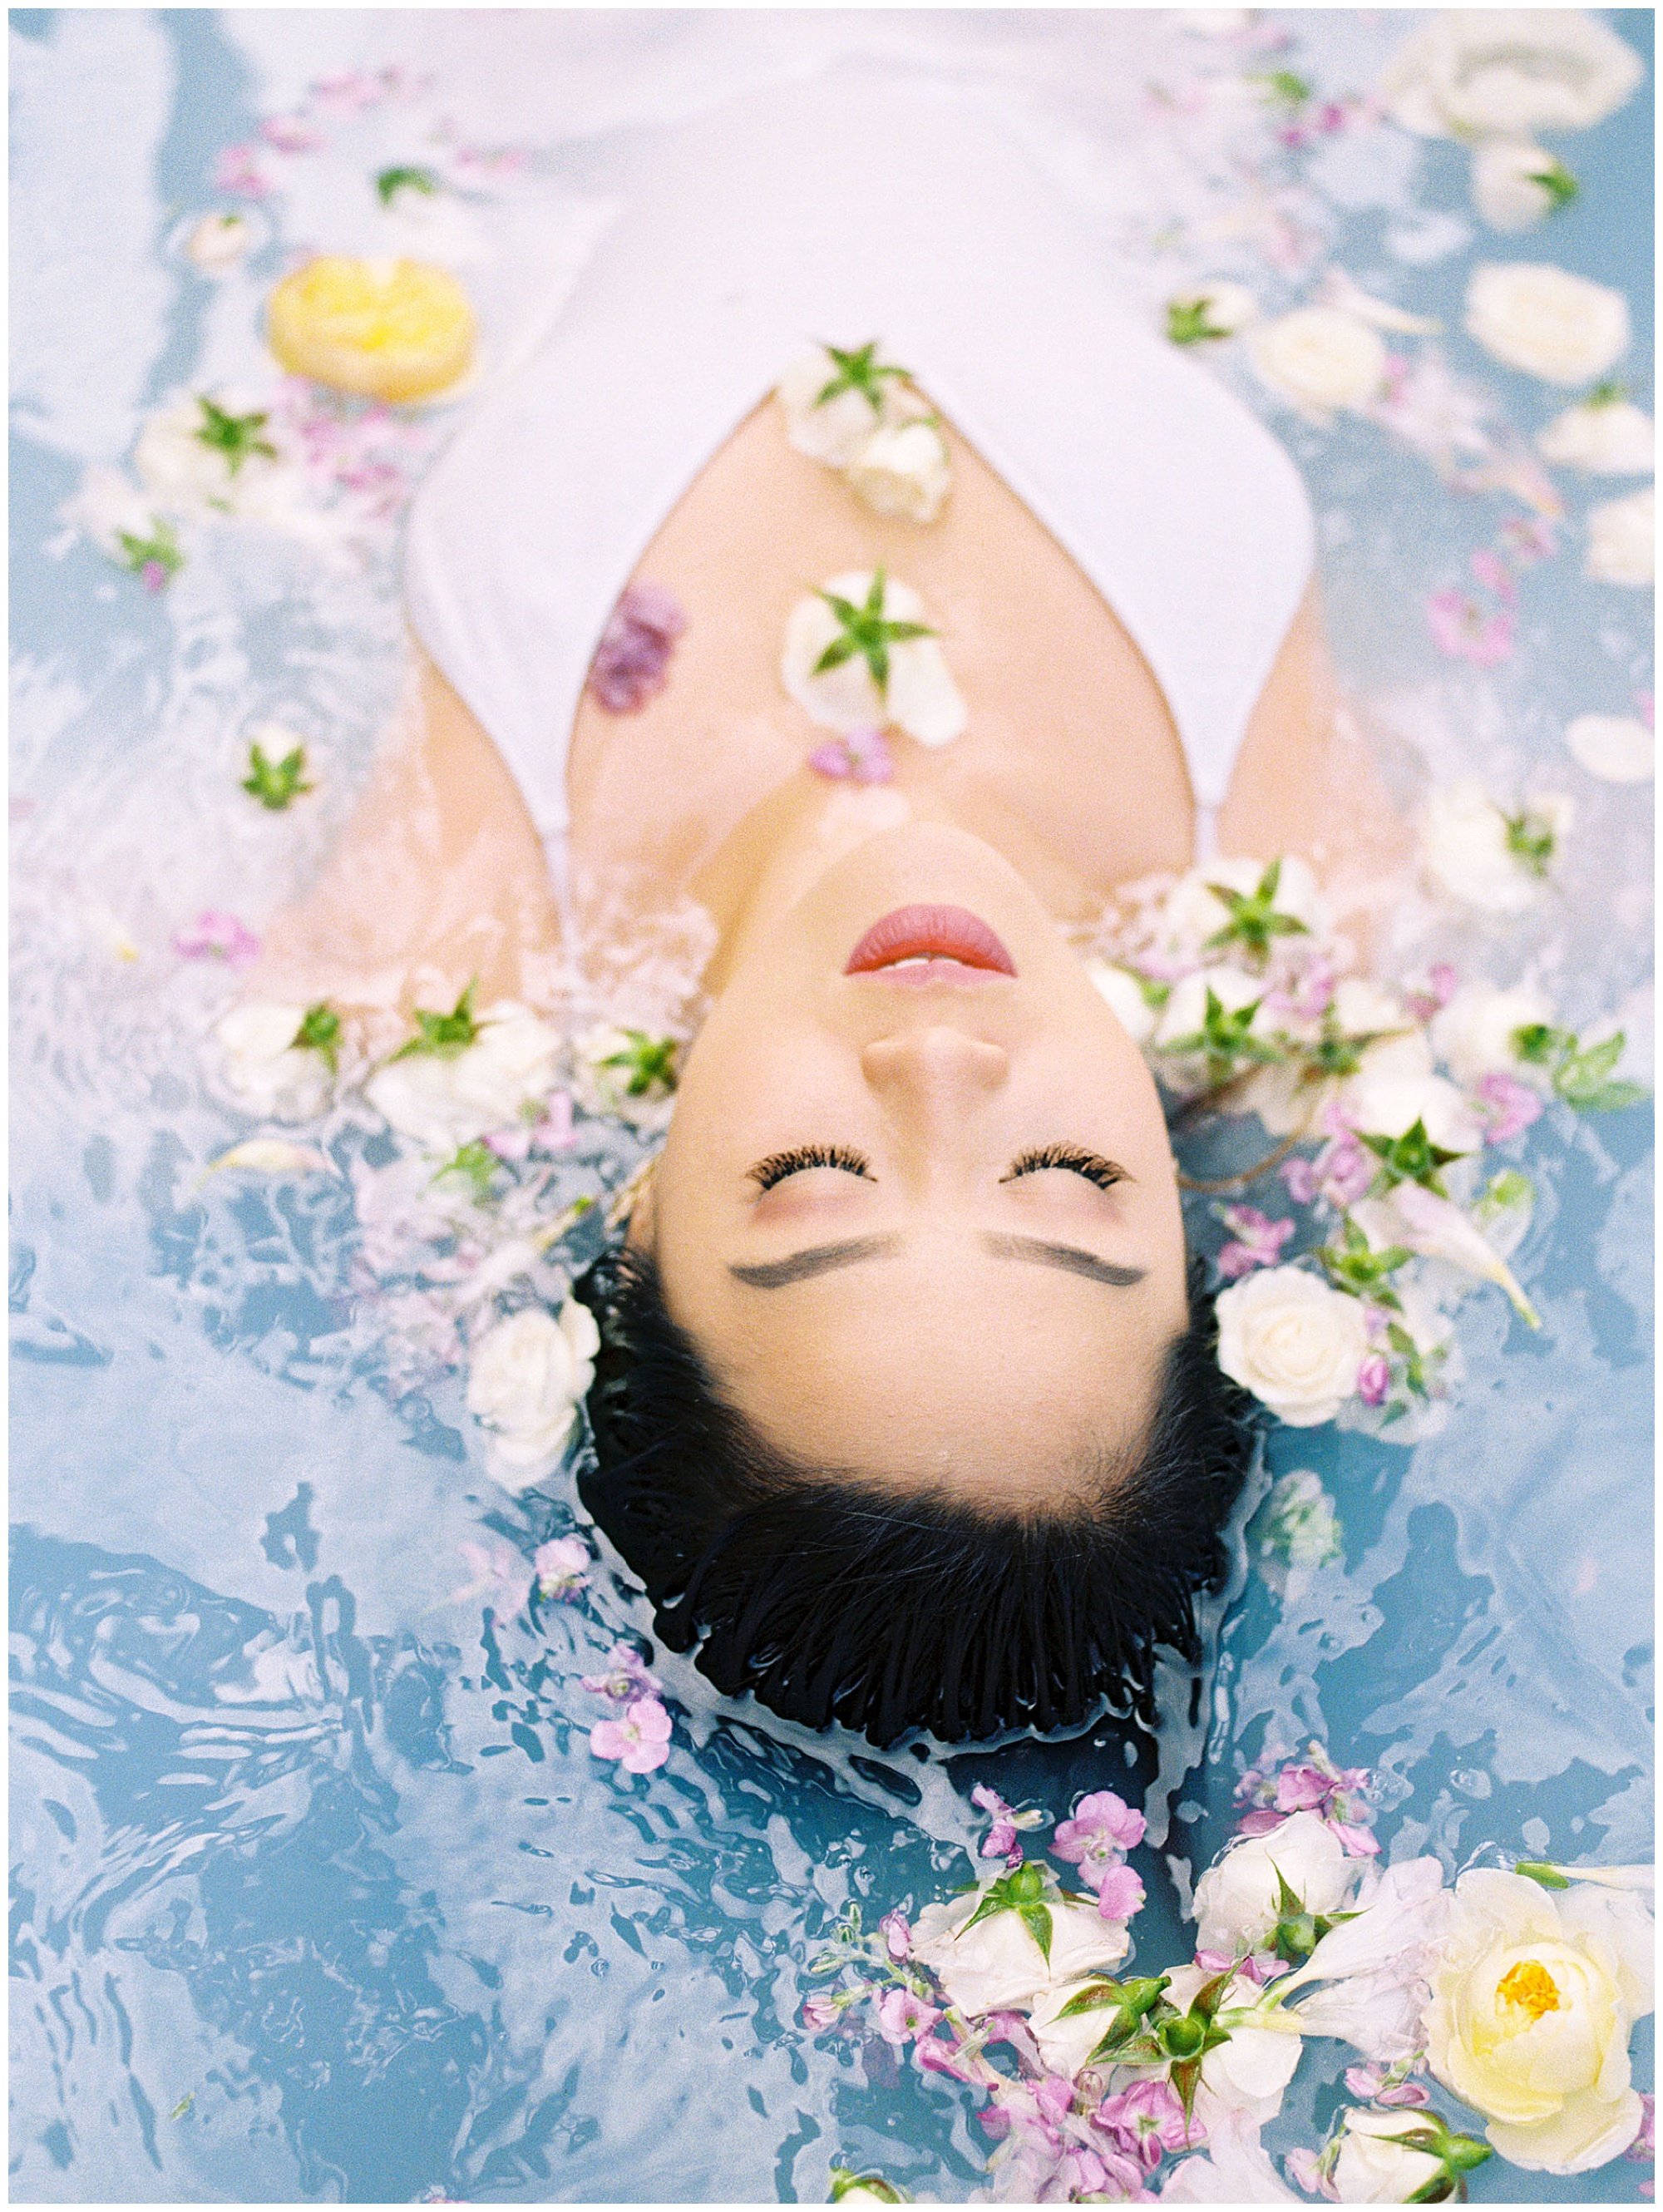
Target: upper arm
{"x": 439, "y": 878}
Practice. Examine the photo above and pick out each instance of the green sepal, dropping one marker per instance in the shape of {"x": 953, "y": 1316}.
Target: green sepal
{"x": 1411, "y": 1157}
{"x": 478, "y": 1163}
{"x": 161, "y": 547}
{"x": 444, "y": 1036}
{"x": 866, "y": 631}
{"x": 859, "y": 369}
{"x": 1254, "y": 920}
{"x": 649, "y": 1060}
{"x": 235, "y": 436}
{"x": 1538, "y": 1870}
{"x": 1188, "y": 322}
{"x": 320, "y": 1032}
{"x": 1036, "y": 1919}
{"x": 275, "y": 783}
{"x": 403, "y": 178}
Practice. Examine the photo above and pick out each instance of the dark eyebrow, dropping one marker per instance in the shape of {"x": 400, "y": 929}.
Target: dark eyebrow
{"x": 818, "y": 1260}
{"x": 1070, "y": 1257}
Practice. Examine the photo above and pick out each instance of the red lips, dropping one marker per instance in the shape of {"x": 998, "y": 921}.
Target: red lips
{"x": 929, "y": 932}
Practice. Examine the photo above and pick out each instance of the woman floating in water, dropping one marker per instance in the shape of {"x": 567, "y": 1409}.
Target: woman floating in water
{"x": 907, "y": 1407}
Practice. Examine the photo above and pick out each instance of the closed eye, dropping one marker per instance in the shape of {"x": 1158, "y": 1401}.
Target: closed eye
{"x": 1074, "y": 1160}
{"x": 778, "y": 1165}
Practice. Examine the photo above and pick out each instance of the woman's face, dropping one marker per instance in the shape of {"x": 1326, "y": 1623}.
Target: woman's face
{"x": 921, "y": 1218}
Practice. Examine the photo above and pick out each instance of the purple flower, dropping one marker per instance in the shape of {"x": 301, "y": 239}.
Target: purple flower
{"x": 897, "y": 1934}
{"x": 1372, "y": 2083}
{"x": 1120, "y": 1893}
{"x": 1437, "y": 989}
{"x": 1103, "y": 1830}
{"x": 1462, "y": 630}
{"x": 1256, "y": 1241}
{"x": 902, "y": 2017}
{"x": 861, "y": 755}
{"x": 1148, "y": 2120}
{"x": 632, "y": 661}
{"x": 1644, "y": 2146}
{"x": 1335, "y": 1794}
{"x": 215, "y": 936}
{"x": 561, "y": 1566}
{"x": 1375, "y": 1379}
{"x": 1000, "y": 1841}
{"x": 821, "y": 2013}
{"x": 1509, "y": 1106}
{"x": 1300, "y": 1179}
{"x": 641, "y": 1738}
{"x": 627, "y": 1677}
{"x": 938, "y": 2056}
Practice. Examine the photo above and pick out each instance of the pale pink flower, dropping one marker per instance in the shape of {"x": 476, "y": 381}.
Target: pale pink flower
{"x": 1435, "y": 991}
{"x": 1373, "y": 1379}
{"x": 1644, "y": 2146}
{"x": 1336, "y": 1794}
{"x": 937, "y": 2055}
{"x": 632, "y": 661}
{"x": 1493, "y": 572}
{"x": 561, "y": 1566}
{"x": 860, "y": 756}
{"x": 1148, "y": 2121}
{"x": 1528, "y": 539}
{"x": 1508, "y": 1105}
{"x": 238, "y": 170}
{"x": 821, "y": 2013}
{"x": 1304, "y": 2170}
{"x": 351, "y": 93}
{"x": 1119, "y": 1895}
{"x": 1370, "y": 2083}
{"x": 902, "y": 2017}
{"x": 216, "y": 936}
{"x": 154, "y": 576}
{"x": 627, "y": 1677}
{"x": 1300, "y": 1179}
{"x": 1462, "y": 630}
{"x": 1000, "y": 1841}
{"x": 1102, "y": 1830}
{"x": 289, "y": 134}
{"x": 641, "y": 1738}
{"x": 500, "y": 1575}
{"x": 1307, "y": 996}
{"x": 1256, "y": 1241}
{"x": 897, "y": 1934}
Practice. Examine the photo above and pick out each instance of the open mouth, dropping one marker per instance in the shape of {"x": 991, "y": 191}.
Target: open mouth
{"x": 929, "y": 943}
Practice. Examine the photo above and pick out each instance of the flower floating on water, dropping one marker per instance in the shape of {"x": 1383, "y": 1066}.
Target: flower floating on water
{"x": 464, "y": 1075}
{"x": 1479, "y": 73}
{"x": 1623, "y": 541}
{"x": 857, "y": 655}
{"x": 1515, "y": 184}
{"x": 859, "y": 756}
{"x": 861, "y": 415}
{"x": 1614, "y": 748}
{"x": 640, "y": 1739}
{"x": 1482, "y": 1030}
{"x": 632, "y": 661}
{"x": 199, "y": 458}
{"x": 1321, "y": 359}
{"x": 561, "y": 1567}
{"x": 903, "y": 469}
{"x": 498, "y": 1575}
{"x": 1299, "y": 1525}
{"x": 1256, "y": 1241}
{"x": 1465, "y": 630}
{"x": 1552, "y": 325}
{"x": 240, "y": 170}
{"x": 625, "y": 1072}
{"x": 1485, "y": 857}
{"x": 400, "y": 331}
{"x": 1532, "y": 2001}
{"x": 1000, "y": 1841}
{"x": 527, "y": 1378}
{"x": 1604, "y": 434}
{"x": 1006, "y": 1944}
{"x": 627, "y": 1677}
{"x": 1338, "y": 1796}
{"x": 216, "y": 936}
{"x": 276, "y": 783}
{"x": 280, "y": 1059}
{"x": 1210, "y": 312}
{"x": 1102, "y": 1830}
{"x": 218, "y": 243}
{"x": 1295, "y": 1344}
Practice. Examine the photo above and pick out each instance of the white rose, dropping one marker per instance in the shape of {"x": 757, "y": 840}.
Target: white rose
{"x": 921, "y": 697}
{"x": 1464, "y": 846}
{"x": 997, "y": 1965}
{"x": 1215, "y": 310}
{"x": 834, "y": 433}
{"x": 1186, "y": 1008}
{"x": 1236, "y": 1901}
{"x": 1293, "y": 1341}
{"x": 1616, "y": 748}
{"x": 1243, "y": 2078}
{"x": 263, "y": 1064}
{"x": 1517, "y": 184}
{"x": 904, "y": 470}
{"x": 1235, "y": 2169}
{"x": 188, "y": 476}
{"x": 1623, "y": 541}
{"x": 1123, "y": 994}
{"x": 1374, "y": 2166}
{"x": 1474, "y": 1034}
{"x": 1319, "y": 358}
{"x": 1532, "y": 316}
{"x": 1606, "y": 437}
{"x": 443, "y": 1103}
{"x": 218, "y": 243}
{"x": 601, "y": 1060}
{"x": 1485, "y": 72}
{"x": 1390, "y": 1106}
{"x": 1363, "y": 1009}
{"x": 1532, "y": 2001}
{"x": 526, "y": 1380}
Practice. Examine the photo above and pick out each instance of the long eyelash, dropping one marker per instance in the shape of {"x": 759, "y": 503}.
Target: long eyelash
{"x": 779, "y": 1165}
{"x": 1092, "y": 1165}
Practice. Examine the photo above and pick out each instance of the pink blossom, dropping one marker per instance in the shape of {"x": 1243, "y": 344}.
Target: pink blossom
{"x": 1370, "y": 2082}
{"x": 1272, "y": 1793}
{"x": 500, "y": 1575}
{"x": 1257, "y": 1240}
{"x": 1373, "y": 1379}
{"x": 1644, "y": 2146}
{"x": 1000, "y": 1841}
{"x": 1103, "y": 1829}
{"x": 1299, "y": 1177}
{"x": 238, "y": 170}
{"x": 627, "y": 1677}
{"x": 1462, "y": 630}
{"x": 641, "y": 1738}
{"x": 897, "y": 1934}
{"x": 1528, "y": 539}
{"x": 862, "y": 756}
{"x": 1148, "y": 2120}
{"x": 1493, "y": 572}
{"x": 216, "y": 936}
{"x": 1119, "y": 1895}
{"x": 1306, "y": 996}
{"x": 938, "y": 2056}
{"x": 821, "y": 2013}
{"x": 902, "y": 2017}
{"x": 154, "y": 576}
{"x": 352, "y": 91}
{"x": 289, "y": 134}
{"x": 1509, "y": 1106}
{"x": 1437, "y": 989}
{"x": 1344, "y": 1171}
{"x": 1305, "y": 2172}
{"x": 632, "y": 661}
{"x": 561, "y": 1566}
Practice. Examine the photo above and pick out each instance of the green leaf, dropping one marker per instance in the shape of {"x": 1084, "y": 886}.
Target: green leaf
{"x": 403, "y": 180}
{"x": 320, "y": 1032}
{"x": 183, "y": 2105}
{"x": 275, "y": 783}
{"x": 1286, "y": 87}
{"x": 1036, "y": 1919}
{"x": 1612, "y": 1098}
{"x": 447, "y": 1036}
{"x": 648, "y": 1061}
{"x": 234, "y": 436}
{"x": 477, "y": 1164}
{"x": 1538, "y": 1870}
{"x": 1188, "y": 322}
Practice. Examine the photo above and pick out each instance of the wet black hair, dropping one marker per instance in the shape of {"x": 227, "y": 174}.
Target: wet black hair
{"x": 839, "y": 1598}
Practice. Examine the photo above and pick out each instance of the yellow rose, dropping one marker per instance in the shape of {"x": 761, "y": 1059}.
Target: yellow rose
{"x": 1532, "y": 2001}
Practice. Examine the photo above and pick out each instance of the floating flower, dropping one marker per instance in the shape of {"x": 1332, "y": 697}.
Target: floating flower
{"x": 897, "y": 1934}
{"x": 1504, "y": 72}
{"x": 903, "y": 469}
{"x": 857, "y": 654}
{"x": 218, "y": 243}
{"x": 1295, "y": 1344}
{"x": 1299, "y": 1525}
{"x": 1256, "y": 1241}
{"x": 1515, "y": 184}
{"x": 280, "y": 1058}
{"x": 561, "y": 1566}
{"x": 1319, "y": 358}
{"x": 626, "y": 1073}
{"x": 903, "y": 2016}
{"x": 1238, "y": 1901}
{"x": 1487, "y": 858}
{"x": 1623, "y": 541}
{"x": 527, "y": 1378}
{"x": 1388, "y": 1110}
{"x": 627, "y": 1677}
{"x": 500, "y": 1575}
{"x": 1466, "y": 631}
{"x": 201, "y": 458}
{"x": 859, "y": 756}
{"x": 464, "y": 1075}
{"x": 1477, "y": 1032}
{"x": 1562, "y": 328}
{"x": 239, "y": 170}
{"x": 640, "y": 1740}
{"x": 632, "y": 661}
{"x": 216, "y": 936}
{"x": 1614, "y": 748}
{"x": 1604, "y": 434}
{"x": 1001, "y": 1961}
{"x": 835, "y": 397}
{"x": 1237, "y": 2169}
{"x": 400, "y": 331}
{"x": 1399, "y": 2158}
{"x": 1000, "y": 1841}
{"x": 1148, "y": 2120}
{"x": 1210, "y": 312}
{"x": 1532, "y": 2001}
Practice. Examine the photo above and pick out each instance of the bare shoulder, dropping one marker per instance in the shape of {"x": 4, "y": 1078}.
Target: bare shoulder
{"x": 437, "y": 879}
{"x": 1306, "y": 781}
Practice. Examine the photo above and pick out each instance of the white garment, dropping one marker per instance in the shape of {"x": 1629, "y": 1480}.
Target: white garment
{"x": 843, "y": 211}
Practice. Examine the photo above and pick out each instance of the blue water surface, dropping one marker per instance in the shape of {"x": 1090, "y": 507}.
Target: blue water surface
{"x": 317, "y": 1890}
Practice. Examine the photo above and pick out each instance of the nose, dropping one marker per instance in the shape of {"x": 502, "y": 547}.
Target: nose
{"x": 931, "y": 1077}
